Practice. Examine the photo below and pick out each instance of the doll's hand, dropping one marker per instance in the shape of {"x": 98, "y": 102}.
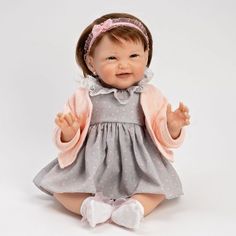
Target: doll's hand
{"x": 177, "y": 119}
{"x": 69, "y": 125}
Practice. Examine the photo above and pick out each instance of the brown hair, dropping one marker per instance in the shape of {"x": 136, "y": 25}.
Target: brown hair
{"x": 114, "y": 34}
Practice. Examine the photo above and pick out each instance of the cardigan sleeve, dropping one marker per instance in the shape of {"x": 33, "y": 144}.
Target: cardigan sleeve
{"x": 161, "y": 129}
{"x": 65, "y": 146}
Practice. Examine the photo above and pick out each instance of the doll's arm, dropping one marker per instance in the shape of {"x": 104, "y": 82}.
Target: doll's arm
{"x": 57, "y": 134}
{"x": 161, "y": 129}
{"x": 177, "y": 119}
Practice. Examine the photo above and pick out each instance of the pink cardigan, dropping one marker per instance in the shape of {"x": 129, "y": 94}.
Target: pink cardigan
{"x": 154, "y": 106}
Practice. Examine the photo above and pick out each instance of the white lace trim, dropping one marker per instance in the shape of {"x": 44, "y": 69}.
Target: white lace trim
{"x": 95, "y": 87}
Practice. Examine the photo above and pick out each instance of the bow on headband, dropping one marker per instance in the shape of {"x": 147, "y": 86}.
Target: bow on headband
{"x": 103, "y": 27}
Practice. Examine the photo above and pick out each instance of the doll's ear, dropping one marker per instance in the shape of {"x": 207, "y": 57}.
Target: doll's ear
{"x": 90, "y": 63}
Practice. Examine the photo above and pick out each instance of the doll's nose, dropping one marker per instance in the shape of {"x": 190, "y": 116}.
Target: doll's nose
{"x": 123, "y": 64}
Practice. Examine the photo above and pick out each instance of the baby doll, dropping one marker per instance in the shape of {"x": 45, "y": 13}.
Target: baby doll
{"x": 116, "y": 132}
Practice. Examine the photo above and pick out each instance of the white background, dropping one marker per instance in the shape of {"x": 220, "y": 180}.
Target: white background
{"x": 194, "y": 62}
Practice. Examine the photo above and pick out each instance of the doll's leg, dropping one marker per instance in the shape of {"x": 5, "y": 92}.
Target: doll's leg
{"x": 94, "y": 211}
{"x": 72, "y": 201}
{"x": 149, "y": 201}
{"x": 130, "y": 213}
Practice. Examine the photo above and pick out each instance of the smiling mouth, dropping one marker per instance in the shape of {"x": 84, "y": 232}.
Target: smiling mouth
{"x": 123, "y": 75}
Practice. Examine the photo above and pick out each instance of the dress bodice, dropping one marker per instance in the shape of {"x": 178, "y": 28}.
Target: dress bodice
{"x": 106, "y": 108}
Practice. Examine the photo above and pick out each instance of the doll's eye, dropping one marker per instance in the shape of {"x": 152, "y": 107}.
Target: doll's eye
{"x": 134, "y": 55}
{"x": 111, "y": 58}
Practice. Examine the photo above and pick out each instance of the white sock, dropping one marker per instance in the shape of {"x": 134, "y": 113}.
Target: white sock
{"x": 94, "y": 211}
{"x": 129, "y": 214}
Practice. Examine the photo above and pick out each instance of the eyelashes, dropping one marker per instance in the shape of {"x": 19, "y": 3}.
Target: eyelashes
{"x": 112, "y": 58}
{"x": 134, "y": 55}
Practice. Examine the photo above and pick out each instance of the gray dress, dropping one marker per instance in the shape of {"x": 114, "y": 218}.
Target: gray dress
{"x": 118, "y": 156}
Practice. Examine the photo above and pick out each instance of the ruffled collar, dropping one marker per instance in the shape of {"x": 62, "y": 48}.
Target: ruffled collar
{"x": 96, "y": 86}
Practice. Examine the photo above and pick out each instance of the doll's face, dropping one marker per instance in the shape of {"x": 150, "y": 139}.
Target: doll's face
{"x": 118, "y": 65}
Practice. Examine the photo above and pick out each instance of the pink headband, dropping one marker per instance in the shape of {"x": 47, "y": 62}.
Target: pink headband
{"x": 110, "y": 24}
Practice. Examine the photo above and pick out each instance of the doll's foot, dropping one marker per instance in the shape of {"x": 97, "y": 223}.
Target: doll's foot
{"x": 129, "y": 214}
{"x": 95, "y": 211}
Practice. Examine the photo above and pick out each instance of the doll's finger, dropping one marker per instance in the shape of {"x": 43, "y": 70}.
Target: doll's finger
{"x": 187, "y": 122}
{"x": 68, "y": 119}
{"x": 64, "y": 123}
{"x": 75, "y": 126}
{"x": 59, "y": 115}
{"x": 73, "y": 117}
{"x": 184, "y": 108}
{"x": 168, "y": 110}
{"x": 75, "y": 121}
{"x": 181, "y": 106}
{"x": 60, "y": 123}
{"x": 57, "y": 121}
{"x": 186, "y": 114}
